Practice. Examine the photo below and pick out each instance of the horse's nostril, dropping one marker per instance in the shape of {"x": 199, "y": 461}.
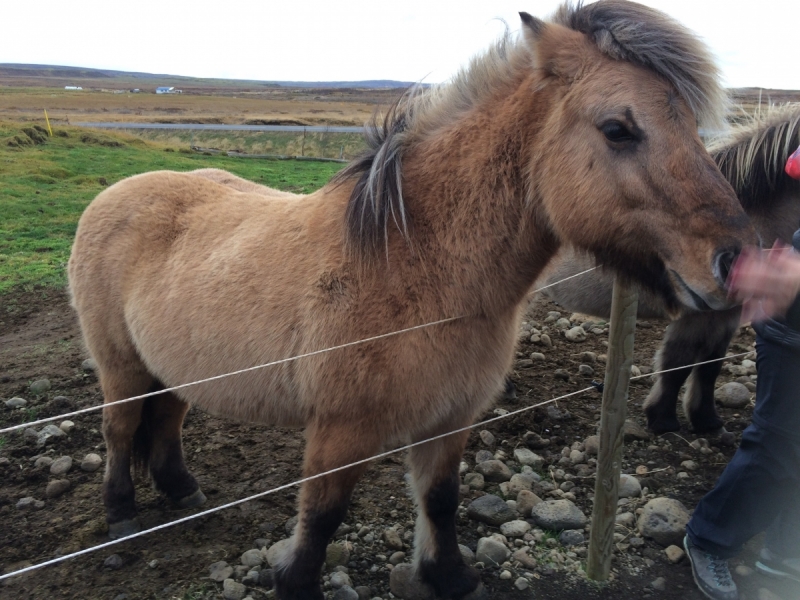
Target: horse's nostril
{"x": 723, "y": 264}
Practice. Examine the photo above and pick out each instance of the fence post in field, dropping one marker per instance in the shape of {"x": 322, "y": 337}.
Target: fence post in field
{"x": 612, "y": 421}
{"x": 303, "y": 143}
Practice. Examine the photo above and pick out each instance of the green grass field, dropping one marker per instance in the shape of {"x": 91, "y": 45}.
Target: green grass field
{"x": 46, "y": 182}
{"x": 319, "y": 145}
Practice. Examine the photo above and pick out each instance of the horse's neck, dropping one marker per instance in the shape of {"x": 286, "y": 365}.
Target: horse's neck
{"x": 466, "y": 188}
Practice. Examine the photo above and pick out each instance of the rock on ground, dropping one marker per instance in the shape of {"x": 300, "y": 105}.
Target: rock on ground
{"x": 674, "y": 554}
{"x": 57, "y": 487}
{"x": 233, "y": 590}
{"x": 494, "y": 471}
{"x": 336, "y": 555}
{"x": 632, "y": 432}
{"x": 732, "y": 395}
{"x": 91, "y": 462}
{"x": 515, "y": 528}
{"x": 571, "y": 537}
{"x": 61, "y": 466}
{"x": 40, "y": 386}
{"x": 527, "y": 457}
{"x": 467, "y": 554}
{"x": 629, "y": 486}
{"x": 526, "y": 500}
{"x": 492, "y": 551}
{"x": 664, "y": 520}
{"x": 220, "y": 571}
{"x": 252, "y": 558}
{"x": 490, "y": 509}
{"x": 557, "y": 515}
{"x": 346, "y": 593}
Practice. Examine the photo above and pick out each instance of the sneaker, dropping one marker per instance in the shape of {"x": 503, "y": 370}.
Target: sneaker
{"x": 711, "y": 573}
{"x": 770, "y": 563}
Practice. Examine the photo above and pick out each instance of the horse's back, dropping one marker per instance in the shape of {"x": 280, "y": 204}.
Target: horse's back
{"x": 163, "y": 260}
{"x": 242, "y": 185}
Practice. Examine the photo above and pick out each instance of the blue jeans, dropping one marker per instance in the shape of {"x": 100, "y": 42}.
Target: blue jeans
{"x": 760, "y": 488}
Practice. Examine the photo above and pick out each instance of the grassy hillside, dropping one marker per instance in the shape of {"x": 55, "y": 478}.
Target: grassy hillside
{"x": 46, "y": 182}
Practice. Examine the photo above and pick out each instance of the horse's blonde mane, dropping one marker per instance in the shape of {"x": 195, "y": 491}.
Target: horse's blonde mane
{"x": 622, "y": 30}
{"x": 752, "y": 154}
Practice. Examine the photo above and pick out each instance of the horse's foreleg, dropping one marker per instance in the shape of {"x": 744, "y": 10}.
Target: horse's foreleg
{"x": 698, "y": 401}
{"x": 661, "y": 405}
{"x": 164, "y": 415}
{"x": 120, "y": 423}
{"x": 434, "y": 469}
{"x": 323, "y": 505}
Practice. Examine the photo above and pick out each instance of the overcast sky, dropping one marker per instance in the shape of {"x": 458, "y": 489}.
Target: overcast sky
{"x": 344, "y": 40}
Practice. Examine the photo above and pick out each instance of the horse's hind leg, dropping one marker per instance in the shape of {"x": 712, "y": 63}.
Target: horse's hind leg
{"x": 434, "y": 469}
{"x": 661, "y": 405}
{"x": 163, "y": 418}
{"x": 717, "y": 331}
{"x": 323, "y": 504}
{"x": 120, "y": 423}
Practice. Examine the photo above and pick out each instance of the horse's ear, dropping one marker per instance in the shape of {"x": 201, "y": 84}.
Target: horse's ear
{"x": 558, "y": 51}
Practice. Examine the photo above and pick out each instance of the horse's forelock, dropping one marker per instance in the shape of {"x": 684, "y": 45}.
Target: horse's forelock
{"x": 628, "y": 31}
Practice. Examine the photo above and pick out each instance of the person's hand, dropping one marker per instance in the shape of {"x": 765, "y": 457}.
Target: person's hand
{"x": 765, "y": 282}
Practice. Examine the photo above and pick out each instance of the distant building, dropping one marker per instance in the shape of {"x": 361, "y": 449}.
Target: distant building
{"x": 168, "y": 90}
{"x": 72, "y": 87}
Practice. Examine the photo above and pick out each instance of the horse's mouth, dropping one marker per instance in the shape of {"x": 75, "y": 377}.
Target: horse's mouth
{"x": 698, "y": 301}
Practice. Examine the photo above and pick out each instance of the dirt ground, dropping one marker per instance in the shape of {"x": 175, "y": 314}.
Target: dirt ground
{"x": 39, "y": 338}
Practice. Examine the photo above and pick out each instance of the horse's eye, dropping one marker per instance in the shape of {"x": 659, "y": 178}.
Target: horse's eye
{"x": 616, "y": 132}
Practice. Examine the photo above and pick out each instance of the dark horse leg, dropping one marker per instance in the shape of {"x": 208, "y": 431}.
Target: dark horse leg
{"x": 695, "y": 337}
{"x": 120, "y": 423}
{"x": 698, "y": 400}
{"x": 323, "y": 504}
{"x": 434, "y": 469}
{"x": 160, "y": 438}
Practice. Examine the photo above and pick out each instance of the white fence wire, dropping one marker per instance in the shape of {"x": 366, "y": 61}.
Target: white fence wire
{"x": 298, "y": 482}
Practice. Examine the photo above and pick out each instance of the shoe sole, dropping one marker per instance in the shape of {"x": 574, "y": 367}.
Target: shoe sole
{"x": 762, "y": 568}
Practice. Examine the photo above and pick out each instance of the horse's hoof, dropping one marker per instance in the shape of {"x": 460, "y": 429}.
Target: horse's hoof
{"x": 712, "y": 429}
{"x": 479, "y": 593}
{"x": 122, "y": 529}
{"x": 660, "y": 426}
{"x": 510, "y": 392}
{"x": 193, "y": 500}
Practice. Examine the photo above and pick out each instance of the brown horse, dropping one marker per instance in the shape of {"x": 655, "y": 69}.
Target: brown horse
{"x": 752, "y": 159}
{"x": 583, "y": 131}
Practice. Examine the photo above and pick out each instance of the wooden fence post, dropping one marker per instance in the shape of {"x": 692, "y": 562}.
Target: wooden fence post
{"x": 612, "y": 421}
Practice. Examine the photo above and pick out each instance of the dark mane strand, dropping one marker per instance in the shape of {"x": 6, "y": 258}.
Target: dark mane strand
{"x": 376, "y": 202}
{"x": 752, "y": 158}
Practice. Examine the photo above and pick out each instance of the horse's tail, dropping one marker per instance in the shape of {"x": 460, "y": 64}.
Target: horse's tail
{"x": 143, "y": 437}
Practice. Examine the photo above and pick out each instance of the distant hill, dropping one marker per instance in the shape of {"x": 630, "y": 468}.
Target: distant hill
{"x": 59, "y": 76}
